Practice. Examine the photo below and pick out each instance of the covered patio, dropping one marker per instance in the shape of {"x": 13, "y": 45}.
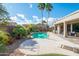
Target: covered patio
{"x": 68, "y": 25}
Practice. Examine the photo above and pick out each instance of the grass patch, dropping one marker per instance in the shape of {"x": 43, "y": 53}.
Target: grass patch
{"x": 51, "y": 55}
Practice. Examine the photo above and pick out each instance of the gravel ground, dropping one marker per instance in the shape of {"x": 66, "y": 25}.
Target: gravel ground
{"x": 12, "y": 50}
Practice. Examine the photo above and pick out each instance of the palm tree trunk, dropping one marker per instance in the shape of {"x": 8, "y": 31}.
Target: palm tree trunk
{"x": 47, "y": 19}
{"x": 42, "y": 19}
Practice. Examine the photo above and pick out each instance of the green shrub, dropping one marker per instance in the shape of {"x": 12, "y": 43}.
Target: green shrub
{"x": 32, "y": 28}
{"x": 4, "y": 37}
{"x": 28, "y": 31}
{"x": 19, "y": 32}
{"x": 2, "y": 47}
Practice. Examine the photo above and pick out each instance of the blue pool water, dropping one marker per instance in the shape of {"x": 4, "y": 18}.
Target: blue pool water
{"x": 40, "y": 35}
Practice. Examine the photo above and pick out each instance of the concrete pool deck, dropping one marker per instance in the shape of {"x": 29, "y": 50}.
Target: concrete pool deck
{"x": 45, "y": 46}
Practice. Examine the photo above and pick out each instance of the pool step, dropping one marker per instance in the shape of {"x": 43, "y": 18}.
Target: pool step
{"x": 76, "y": 50}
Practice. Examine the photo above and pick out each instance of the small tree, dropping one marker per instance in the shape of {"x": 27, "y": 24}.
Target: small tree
{"x": 19, "y": 32}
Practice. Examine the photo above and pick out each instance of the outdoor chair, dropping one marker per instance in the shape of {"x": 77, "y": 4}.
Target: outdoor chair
{"x": 72, "y": 33}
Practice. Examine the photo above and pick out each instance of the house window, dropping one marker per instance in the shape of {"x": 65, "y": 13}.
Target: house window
{"x": 76, "y": 27}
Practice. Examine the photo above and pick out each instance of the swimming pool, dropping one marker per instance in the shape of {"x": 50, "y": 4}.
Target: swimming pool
{"x": 40, "y": 35}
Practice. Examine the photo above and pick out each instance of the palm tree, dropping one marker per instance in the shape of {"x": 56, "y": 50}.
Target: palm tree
{"x": 3, "y": 12}
{"x": 41, "y": 7}
{"x": 48, "y": 7}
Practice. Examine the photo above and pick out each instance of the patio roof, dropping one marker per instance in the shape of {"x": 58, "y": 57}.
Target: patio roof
{"x": 70, "y": 17}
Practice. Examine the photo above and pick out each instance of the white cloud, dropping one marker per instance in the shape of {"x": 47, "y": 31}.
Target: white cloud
{"x": 13, "y": 18}
{"x": 35, "y": 17}
{"x": 24, "y": 19}
{"x": 21, "y": 15}
{"x": 52, "y": 19}
{"x": 30, "y": 5}
{"x": 27, "y": 21}
{"x": 44, "y": 19}
{"x": 21, "y": 19}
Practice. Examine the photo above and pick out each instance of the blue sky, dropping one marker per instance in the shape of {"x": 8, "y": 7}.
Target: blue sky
{"x": 29, "y": 13}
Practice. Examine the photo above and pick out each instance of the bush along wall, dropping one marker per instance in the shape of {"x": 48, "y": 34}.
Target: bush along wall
{"x": 19, "y": 32}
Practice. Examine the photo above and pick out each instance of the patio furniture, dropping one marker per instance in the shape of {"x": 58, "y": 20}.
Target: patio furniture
{"x": 72, "y": 33}
{"x": 77, "y": 34}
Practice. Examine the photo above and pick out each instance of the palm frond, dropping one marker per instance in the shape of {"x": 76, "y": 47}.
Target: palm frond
{"x": 48, "y": 6}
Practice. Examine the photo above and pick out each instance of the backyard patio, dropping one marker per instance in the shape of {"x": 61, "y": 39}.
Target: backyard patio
{"x": 51, "y": 45}
{"x": 38, "y": 35}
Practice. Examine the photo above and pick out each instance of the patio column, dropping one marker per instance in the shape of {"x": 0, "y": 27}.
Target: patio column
{"x": 54, "y": 29}
{"x": 58, "y": 29}
{"x": 71, "y": 27}
{"x": 65, "y": 29}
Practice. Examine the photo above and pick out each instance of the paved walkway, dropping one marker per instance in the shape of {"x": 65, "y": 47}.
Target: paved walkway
{"x": 62, "y": 40}
{"x": 73, "y": 39}
{"x": 45, "y": 46}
